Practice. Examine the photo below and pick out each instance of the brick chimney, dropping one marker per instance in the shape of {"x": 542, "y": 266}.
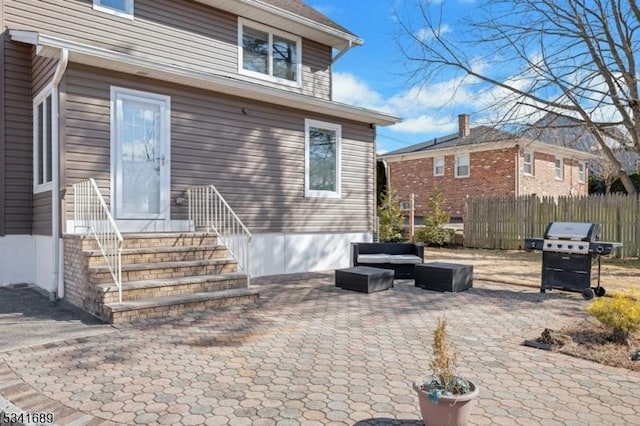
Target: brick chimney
{"x": 464, "y": 125}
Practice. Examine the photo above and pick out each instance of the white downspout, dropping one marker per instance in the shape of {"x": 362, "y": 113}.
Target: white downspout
{"x": 58, "y": 283}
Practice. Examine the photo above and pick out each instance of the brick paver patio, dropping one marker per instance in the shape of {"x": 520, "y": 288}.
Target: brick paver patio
{"x": 309, "y": 353}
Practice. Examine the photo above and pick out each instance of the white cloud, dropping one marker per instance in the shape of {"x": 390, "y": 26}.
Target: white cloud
{"x": 425, "y": 34}
{"x": 349, "y": 89}
{"x": 422, "y": 123}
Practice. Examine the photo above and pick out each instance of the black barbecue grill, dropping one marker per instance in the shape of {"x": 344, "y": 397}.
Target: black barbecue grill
{"x": 568, "y": 251}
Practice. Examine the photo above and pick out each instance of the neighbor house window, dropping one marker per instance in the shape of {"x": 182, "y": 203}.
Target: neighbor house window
{"x": 322, "y": 159}
{"x": 43, "y": 131}
{"x": 268, "y": 53}
{"x": 559, "y": 169}
{"x": 117, "y": 7}
{"x": 438, "y": 166}
{"x": 528, "y": 163}
{"x": 462, "y": 165}
{"x": 581, "y": 172}
{"x": 405, "y": 205}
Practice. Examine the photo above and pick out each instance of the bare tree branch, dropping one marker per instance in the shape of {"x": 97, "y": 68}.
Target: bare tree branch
{"x": 575, "y": 58}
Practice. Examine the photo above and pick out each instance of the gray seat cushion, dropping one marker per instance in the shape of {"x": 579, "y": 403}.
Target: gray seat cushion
{"x": 404, "y": 259}
{"x": 373, "y": 258}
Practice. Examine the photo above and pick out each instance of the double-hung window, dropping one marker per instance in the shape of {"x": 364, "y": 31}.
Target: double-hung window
{"x": 269, "y": 54}
{"x": 558, "y": 168}
{"x": 528, "y": 163}
{"x": 581, "y": 172}
{"x": 462, "y": 165}
{"x": 322, "y": 159}
{"x": 438, "y": 166}
{"x": 43, "y": 133}
{"x": 122, "y": 8}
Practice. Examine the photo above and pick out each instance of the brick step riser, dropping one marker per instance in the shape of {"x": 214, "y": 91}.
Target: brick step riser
{"x": 173, "y": 290}
{"x": 174, "y": 310}
{"x": 186, "y": 255}
{"x": 158, "y": 241}
{"x": 160, "y": 273}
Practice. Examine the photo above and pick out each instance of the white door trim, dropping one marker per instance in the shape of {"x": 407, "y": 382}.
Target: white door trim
{"x": 164, "y": 102}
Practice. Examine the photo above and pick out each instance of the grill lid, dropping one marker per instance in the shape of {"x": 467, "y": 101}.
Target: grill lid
{"x": 573, "y": 231}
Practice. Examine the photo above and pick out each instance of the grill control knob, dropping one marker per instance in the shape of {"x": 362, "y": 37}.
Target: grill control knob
{"x": 599, "y": 249}
{"x": 570, "y": 246}
{"x": 581, "y": 247}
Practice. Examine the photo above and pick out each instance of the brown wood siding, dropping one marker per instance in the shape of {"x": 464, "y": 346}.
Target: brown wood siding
{"x": 42, "y": 71}
{"x": 2, "y": 127}
{"x": 41, "y": 224}
{"x": 18, "y": 181}
{"x": 256, "y": 160}
{"x": 179, "y": 32}
{"x": 316, "y": 69}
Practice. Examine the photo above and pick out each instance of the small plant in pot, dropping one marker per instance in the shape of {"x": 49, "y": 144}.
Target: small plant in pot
{"x": 445, "y": 398}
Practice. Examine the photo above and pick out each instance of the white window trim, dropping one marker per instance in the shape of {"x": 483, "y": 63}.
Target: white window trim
{"x": 338, "y": 129}
{"x": 405, "y": 205}
{"x": 584, "y": 172}
{"x": 458, "y": 156}
{"x": 271, "y": 31}
{"x": 435, "y": 164}
{"x": 128, "y": 13}
{"x": 49, "y": 90}
{"x": 555, "y": 169}
{"x": 530, "y": 163}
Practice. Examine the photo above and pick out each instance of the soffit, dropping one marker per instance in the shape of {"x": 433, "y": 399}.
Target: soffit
{"x": 222, "y": 83}
{"x": 291, "y": 18}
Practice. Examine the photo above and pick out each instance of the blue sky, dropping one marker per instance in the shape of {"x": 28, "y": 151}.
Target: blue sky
{"x": 374, "y": 75}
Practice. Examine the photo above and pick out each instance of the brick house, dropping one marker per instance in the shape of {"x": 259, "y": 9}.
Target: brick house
{"x": 482, "y": 161}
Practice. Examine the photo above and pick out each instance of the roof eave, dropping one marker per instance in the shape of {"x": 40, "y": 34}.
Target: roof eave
{"x": 228, "y": 84}
{"x": 279, "y": 18}
{"x": 488, "y": 146}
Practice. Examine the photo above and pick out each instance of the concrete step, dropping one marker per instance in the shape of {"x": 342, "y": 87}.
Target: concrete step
{"x": 135, "y": 290}
{"x": 175, "y": 305}
{"x": 161, "y": 254}
{"x": 160, "y": 270}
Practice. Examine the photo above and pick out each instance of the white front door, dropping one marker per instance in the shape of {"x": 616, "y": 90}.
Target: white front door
{"x": 140, "y": 153}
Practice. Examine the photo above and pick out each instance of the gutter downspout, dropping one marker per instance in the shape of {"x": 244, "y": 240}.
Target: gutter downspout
{"x": 342, "y": 52}
{"x": 58, "y": 284}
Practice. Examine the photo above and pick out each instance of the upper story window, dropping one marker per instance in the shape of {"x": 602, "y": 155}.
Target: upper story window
{"x": 322, "y": 159}
{"x": 438, "y": 166}
{"x": 558, "y": 168}
{"x": 117, "y": 7}
{"x": 462, "y": 165}
{"x": 528, "y": 163}
{"x": 581, "y": 172}
{"x": 405, "y": 205}
{"x": 269, "y": 54}
{"x": 43, "y": 130}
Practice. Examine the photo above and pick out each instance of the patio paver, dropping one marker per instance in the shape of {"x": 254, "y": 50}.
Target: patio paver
{"x": 310, "y": 353}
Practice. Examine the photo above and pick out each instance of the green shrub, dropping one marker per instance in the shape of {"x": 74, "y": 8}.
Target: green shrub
{"x": 391, "y": 221}
{"x": 620, "y": 313}
{"x": 433, "y": 233}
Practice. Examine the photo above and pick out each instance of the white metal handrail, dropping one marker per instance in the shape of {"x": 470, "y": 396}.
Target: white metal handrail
{"x": 91, "y": 212}
{"x": 209, "y": 210}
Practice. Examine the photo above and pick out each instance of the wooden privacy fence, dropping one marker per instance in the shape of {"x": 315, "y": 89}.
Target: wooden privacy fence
{"x": 504, "y": 222}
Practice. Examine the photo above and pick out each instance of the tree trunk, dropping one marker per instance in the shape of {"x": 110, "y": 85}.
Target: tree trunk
{"x": 628, "y": 183}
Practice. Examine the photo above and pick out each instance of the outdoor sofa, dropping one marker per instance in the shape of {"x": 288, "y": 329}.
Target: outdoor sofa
{"x": 399, "y": 257}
